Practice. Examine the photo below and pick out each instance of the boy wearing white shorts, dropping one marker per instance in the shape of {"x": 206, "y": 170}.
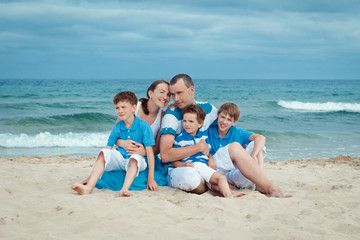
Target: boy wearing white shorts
{"x": 225, "y": 133}
{"x": 193, "y": 118}
{"x": 129, "y": 128}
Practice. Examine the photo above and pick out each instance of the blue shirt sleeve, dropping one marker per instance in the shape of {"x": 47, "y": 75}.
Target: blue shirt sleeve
{"x": 243, "y": 136}
{"x": 171, "y": 122}
{"x": 114, "y": 135}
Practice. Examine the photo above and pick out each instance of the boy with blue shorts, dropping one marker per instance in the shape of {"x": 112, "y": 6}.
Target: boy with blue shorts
{"x": 224, "y": 133}
{"x": 130, "y": 127}
{"x": 193, "y": 119}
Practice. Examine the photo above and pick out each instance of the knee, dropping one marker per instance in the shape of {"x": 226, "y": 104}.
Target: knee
{"x": 133, "y": 162}
{"x": 186, "y": 179}
{"x": 218, "y": 178}
{"x": 234, "y": 149}
{"x": 234, "y": 146}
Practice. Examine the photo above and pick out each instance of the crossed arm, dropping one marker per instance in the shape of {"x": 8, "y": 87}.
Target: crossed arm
{"x": 170, "y": 154}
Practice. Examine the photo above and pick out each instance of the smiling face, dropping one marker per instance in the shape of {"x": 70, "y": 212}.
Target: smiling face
{"x": 183, "y": 96}
{"x": 125, "y": 110}
{"x": 224, "y": 123}
{"x": 160, "y": 96}
{"x": 191, "y": 124}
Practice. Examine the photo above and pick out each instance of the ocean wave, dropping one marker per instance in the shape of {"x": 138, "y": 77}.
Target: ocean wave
{"x": 320, "y": 107}
{"x": 46, "y": 139}
{"x": 73, "y": 122}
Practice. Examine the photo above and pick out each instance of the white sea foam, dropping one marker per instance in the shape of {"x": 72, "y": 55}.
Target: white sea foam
{"x": 320, "y": 107}
{"x": 46, "y": 139}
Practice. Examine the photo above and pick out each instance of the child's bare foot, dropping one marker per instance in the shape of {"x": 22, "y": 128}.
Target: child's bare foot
{"x": 124, "y": 193}
{"x": 278, "y": 193}
{"x": 85, "y": 181}
{"x": 81, "y": 189}
{"x": 239, "y": 194}
{"x": 233, "y": 194}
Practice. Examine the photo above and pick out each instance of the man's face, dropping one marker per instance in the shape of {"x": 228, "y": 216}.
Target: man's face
{"x": 182, "y": 95}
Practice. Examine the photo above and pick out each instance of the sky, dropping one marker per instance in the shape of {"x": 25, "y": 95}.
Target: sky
{"x": 257, "y": 39}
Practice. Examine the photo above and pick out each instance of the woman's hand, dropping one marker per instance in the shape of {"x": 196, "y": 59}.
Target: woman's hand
{"x": 136, "y": 148}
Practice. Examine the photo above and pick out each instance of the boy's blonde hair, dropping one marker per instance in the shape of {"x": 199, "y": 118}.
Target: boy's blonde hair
{"x": 230, "y": 109}
{"x": 125, "y": 96}
{"x": 193, "y": 108}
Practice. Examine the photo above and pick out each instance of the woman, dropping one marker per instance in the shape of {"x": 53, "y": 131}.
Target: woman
{"x": 150, "y": 110}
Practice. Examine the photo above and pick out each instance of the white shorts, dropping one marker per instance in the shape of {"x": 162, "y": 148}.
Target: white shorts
{"x": 227, "y": 167}
{"x": 114, "y": 160}
{"x": 189, "y": 178}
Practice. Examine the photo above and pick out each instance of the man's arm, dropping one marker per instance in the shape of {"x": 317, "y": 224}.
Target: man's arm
{"x": 183, "y": 164}
{"x": 170, "y": 154}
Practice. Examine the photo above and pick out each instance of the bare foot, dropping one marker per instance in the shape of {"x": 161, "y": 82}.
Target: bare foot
{"x": 85, "y": 181}
{"x": 278, "y": 194}
{"x": 239, "y": 194}
{"x": 236, "y": 194}
{"x": 81, "y": 189}
{"x": 124, "y": 193}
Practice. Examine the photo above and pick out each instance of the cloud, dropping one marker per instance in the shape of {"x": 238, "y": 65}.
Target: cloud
{"x": 279, "y": 31}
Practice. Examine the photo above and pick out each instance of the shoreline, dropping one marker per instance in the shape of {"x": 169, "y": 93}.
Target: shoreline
{"x": 37, "y": 202}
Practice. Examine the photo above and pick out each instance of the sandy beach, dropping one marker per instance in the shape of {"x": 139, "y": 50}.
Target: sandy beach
{"x": 37, "y": 203}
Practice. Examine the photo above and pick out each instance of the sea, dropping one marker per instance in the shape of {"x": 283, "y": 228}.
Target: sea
{"x": 300, "y": 119}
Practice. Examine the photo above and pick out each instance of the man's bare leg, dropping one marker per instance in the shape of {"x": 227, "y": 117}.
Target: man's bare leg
{"x": 252, "y": 171}
{"x": 93, "y": 178}
{"x": 129, "y": 178}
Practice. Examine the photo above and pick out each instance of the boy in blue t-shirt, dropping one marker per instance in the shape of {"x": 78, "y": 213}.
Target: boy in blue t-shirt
{"x": 130, "y": 127}
{"x": 193, "y": 118}
{"x": 224, "y": 133}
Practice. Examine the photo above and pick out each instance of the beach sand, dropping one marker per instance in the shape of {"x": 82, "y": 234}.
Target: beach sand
{"x": 37, "y": 203}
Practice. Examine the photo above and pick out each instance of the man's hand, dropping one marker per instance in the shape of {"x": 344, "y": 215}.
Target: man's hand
{"x": 204, "y": 147}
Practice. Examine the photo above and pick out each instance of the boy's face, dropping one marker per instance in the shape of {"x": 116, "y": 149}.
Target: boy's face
{"x": 190, "y": 123}
{"x": 125, "y": 110}
{"x": 225, "y": 122}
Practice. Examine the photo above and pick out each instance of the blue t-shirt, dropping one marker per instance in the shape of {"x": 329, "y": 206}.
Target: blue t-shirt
{"x": 172, "y": 120}
{"x": 140, "y": 132}
{"x": 184, "y": 139}
{"x": 235, "y": 134}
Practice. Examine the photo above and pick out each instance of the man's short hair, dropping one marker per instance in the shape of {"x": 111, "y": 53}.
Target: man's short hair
{"x": 186, "y": 78}
{"x": 231, "y": 109}
{"x": 125, "y": 96}
{"x": 193, "y": 108}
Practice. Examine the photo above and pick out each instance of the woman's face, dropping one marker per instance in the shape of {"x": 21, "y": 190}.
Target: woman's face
{"x": 160, "y": 96}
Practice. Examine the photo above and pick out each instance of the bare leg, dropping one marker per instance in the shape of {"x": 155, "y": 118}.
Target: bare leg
{"x": 219, "y": 183}
{"x": 129, "y": 178}
{"x": 252, "y": 171}
{"x": 96, "y": 173}
{"x": 260, "y": 159}
{"x": 201, "y": 188}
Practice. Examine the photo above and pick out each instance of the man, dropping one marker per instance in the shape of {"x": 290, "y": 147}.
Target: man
{"x": 182, "y": 90}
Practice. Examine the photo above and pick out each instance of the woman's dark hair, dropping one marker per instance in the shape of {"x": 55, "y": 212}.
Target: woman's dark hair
{"x": 152, "y": 87}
